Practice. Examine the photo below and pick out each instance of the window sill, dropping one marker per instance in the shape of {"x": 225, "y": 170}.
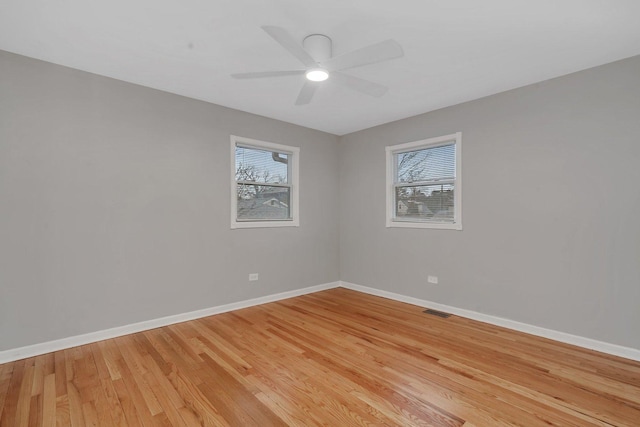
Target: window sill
{"x": 264, "y": 224}
{"x": 420, "y": 224}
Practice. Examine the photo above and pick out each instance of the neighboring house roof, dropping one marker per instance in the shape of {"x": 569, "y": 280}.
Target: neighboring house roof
{"x": 275, "y": 202}
{"x": 413, "y": 207}
{"x": 262, "y": 208}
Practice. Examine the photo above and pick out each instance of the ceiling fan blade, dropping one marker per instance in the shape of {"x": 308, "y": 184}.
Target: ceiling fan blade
{"x": 361, "y": 85}
{"x": 286, "y": 41}
{"x": 263, "y": 74}
{"x": 383, "y": 51}
{"x": 306, "y": 93}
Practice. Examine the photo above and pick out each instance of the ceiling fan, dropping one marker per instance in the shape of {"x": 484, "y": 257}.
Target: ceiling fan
{"x": 315, "y": 55}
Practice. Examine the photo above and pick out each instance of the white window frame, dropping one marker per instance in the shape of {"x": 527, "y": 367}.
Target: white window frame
{"x": 293, "y": 178}
{"x": 391, "y": 152}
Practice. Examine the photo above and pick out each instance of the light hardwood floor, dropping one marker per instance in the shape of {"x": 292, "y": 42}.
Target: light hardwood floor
{"x": 336, "y": 358}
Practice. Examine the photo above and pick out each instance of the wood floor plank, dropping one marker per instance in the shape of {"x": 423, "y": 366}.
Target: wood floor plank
{"x": 63, "y": 416}
{"x": 60, "y": 369}
{"x": 90, "y": 414}
{"x": 6, "y": 372}
{"x": 131, "y": 397}
{"x": 49, "y": 401}
{"x": 24, "y": 395}
{"x": 206, "y": 412}
{"x": 137, "y": 371}
{"x": 126, "y": 402}
{"x": 76, "y": 413}
{"x": 335, "y": 357}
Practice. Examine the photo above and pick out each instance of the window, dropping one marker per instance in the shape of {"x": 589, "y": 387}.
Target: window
{"x": 424, "y": 183}
{"x": 264, "y": 184}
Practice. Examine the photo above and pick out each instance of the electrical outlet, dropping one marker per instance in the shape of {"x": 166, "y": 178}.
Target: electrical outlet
{"x": 253, "y": 277}
{"x": 432, "y": 279}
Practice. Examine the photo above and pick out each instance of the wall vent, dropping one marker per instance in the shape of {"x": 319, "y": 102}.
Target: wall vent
{"x": 437, "y": 313}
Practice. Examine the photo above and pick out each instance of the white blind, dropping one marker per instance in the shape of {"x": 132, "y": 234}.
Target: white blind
{"x": 262, "y": 166}
{"x": 424, "y": 184}
{"x": 263, "y": 187}
{"x": 428, "y": 164}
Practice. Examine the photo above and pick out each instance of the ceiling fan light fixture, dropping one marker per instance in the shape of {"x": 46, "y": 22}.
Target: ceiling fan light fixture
{"x": 315, "y": 55}
{"x": 317, "y": 75}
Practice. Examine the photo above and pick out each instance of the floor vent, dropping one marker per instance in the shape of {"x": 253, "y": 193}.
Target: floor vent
{"x": 437, "y": 313}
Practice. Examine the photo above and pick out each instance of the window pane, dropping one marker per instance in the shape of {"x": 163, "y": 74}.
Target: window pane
{"x": 262, "y": 202}
{"x": 261, "y": 166}
{"x": 427, "y": 164}
{"x": 425, "y": 202}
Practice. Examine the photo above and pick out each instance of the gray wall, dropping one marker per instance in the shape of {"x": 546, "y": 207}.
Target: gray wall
{"x": 551, "y": 207}
{"x": 114, "y": 205}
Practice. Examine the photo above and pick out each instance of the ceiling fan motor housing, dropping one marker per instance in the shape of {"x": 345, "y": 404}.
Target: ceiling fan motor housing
{"x": 318, "y": 46}
{"x": 316, "y": 56}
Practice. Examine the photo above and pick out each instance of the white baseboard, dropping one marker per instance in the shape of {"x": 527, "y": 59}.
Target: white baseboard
{"x": 591, "y": 344}
{"x": 61, "y": 344}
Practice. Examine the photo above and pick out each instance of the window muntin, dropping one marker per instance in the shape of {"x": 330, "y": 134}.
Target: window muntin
{"x": 424, "y": 183}
{"x": 264, "y": 184}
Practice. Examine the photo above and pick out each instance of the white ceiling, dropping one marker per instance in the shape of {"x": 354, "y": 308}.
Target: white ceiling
{"x": 455, "y": 50}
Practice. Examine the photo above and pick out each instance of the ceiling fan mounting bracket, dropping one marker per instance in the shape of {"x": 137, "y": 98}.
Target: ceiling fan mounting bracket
{"x": 318, "y": 46}
{"x": 316, "y": 56}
